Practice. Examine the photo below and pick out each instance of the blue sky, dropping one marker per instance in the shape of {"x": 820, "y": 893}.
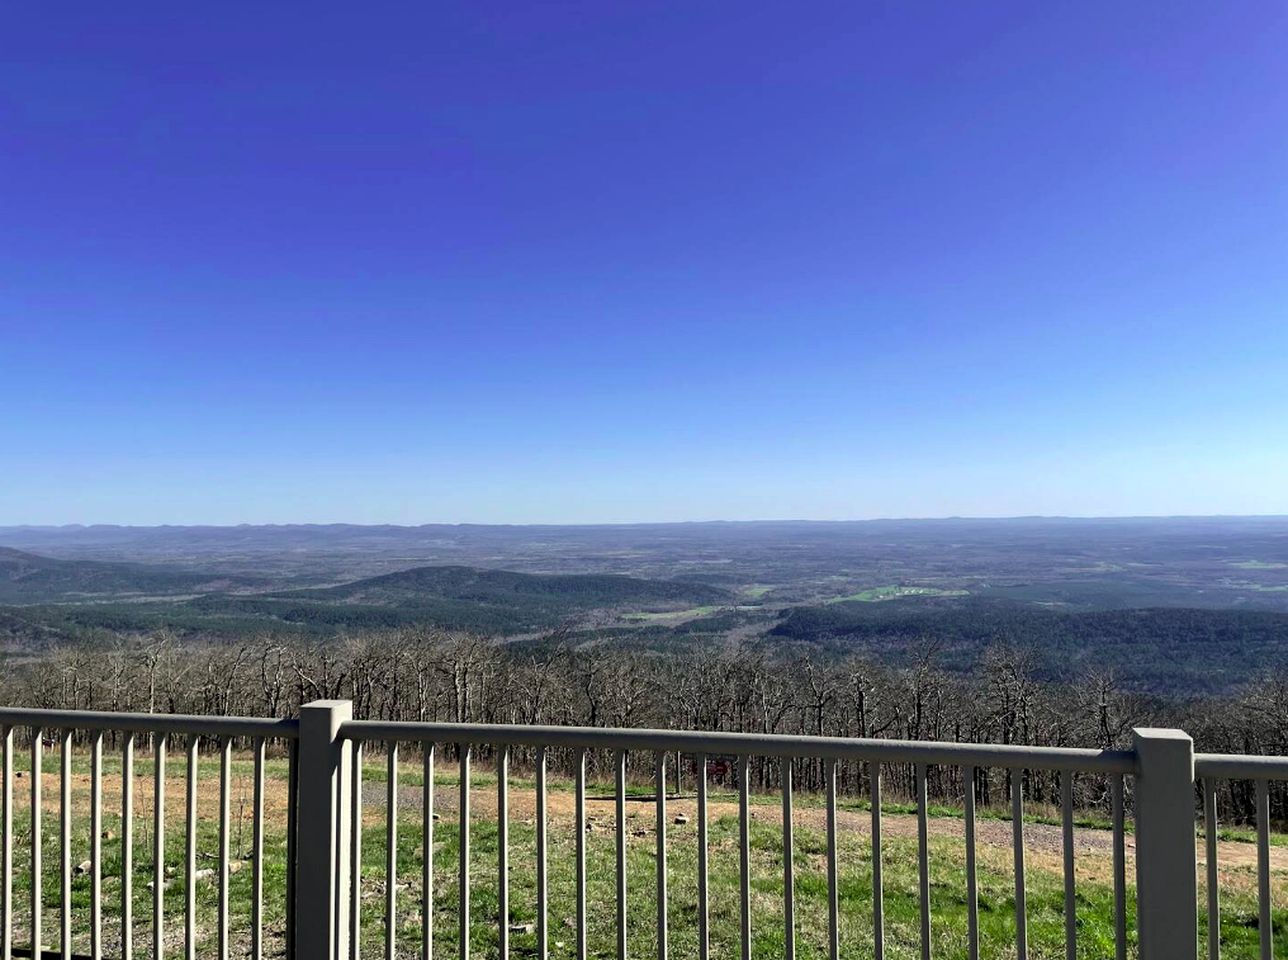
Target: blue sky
{"x": 602, "y": 262}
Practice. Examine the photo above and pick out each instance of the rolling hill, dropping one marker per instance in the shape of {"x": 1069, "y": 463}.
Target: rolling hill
{"x": 29, "y": 578}
{"x": 504, "y": 586}
{"x": 76, "y": 595}
{"x": 1159, "y": 650}
{"x": 487, "y": 601}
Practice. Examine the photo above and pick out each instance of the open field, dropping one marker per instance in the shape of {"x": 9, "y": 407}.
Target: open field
{"x": 892, "y": 592}
{"x": 1045, "y": 892}
{"x": 677, "y": 616}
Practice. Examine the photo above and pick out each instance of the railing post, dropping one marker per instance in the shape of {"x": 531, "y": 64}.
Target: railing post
{"x": 322, "y": 862}
{"x": 1166, "y": 891}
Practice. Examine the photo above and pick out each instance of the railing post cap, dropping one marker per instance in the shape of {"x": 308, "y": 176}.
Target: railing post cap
{"x": 327, "y": 705}
{"x": 1160, "y": 733}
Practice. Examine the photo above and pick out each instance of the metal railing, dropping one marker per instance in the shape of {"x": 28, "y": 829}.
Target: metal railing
{"x": 161, "y": 729}
{"x": 323, "y": 857}
{"x": 702, "y": 746}
{"x": 1211, "y": 768}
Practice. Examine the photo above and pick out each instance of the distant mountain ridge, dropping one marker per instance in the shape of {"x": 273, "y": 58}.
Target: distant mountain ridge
{"x": 31, "y": 578}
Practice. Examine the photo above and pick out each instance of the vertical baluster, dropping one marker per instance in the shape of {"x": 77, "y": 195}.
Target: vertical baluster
{"x": 744, "y": 855}
{"x": 543, "y": 927}
{"x": 1263, "y": 870}
{"x": 833, "y": 892}
{"x": 257, "y": 856}
{"x": 704, "y": 913}
{"x": 158, "y": 846}
{"x": 427, "y": 854}
{"x": 292, "y": 799}
{"x": 1120, "y": 868}
{"x": 1070, "y": 912}
{"x": 923, "y": 860}
{"x": 65, "y": 840}
{"x": 661, "y": 856}
{"x": 127, "y": 846}
{"x": 580, "y": 827}
{"x": 190, "y": 856}
{"x": 96, "y": 844}
{"x": 6, "y": 841}
{"x": 225, "y": 805}
{"x": 463, "y": 870}
{"x": 621, "y": 855}
{"x": 972, "y": 875}
{"x": 355, "y": 852}
{"x": 1017, "y": 840}
{"x": 391, "y": 853}
{"x": 1213, "y": 883}
{"x": 37, "y": 894}
{"x": 878, "y": 889}
{"x": 789, "y": 882}
{"x": 503, "y": 852}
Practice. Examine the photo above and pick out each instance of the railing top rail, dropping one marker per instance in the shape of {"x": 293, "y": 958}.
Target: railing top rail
{"x": 750, "y": 744}
{"x": 1240, "y": 766}
{"x": 204, "y": 726}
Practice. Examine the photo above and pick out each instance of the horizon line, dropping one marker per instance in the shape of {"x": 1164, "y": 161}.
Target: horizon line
{"x": 646, "y": 523}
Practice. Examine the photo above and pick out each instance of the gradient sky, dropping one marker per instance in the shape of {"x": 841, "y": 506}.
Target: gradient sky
{"x": 547, "y": 262}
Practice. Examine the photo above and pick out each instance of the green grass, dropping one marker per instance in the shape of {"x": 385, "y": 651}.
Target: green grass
{"x": 1246, "y": 835}
{"x": 902, "y": 916}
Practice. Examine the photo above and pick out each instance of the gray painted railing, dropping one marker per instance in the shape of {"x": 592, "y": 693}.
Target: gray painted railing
{"x": 665, "y": 743}
{"x": 1211, "y": 767}
{"x": 163, "y": 729}
{"x": 324, "y": 828}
